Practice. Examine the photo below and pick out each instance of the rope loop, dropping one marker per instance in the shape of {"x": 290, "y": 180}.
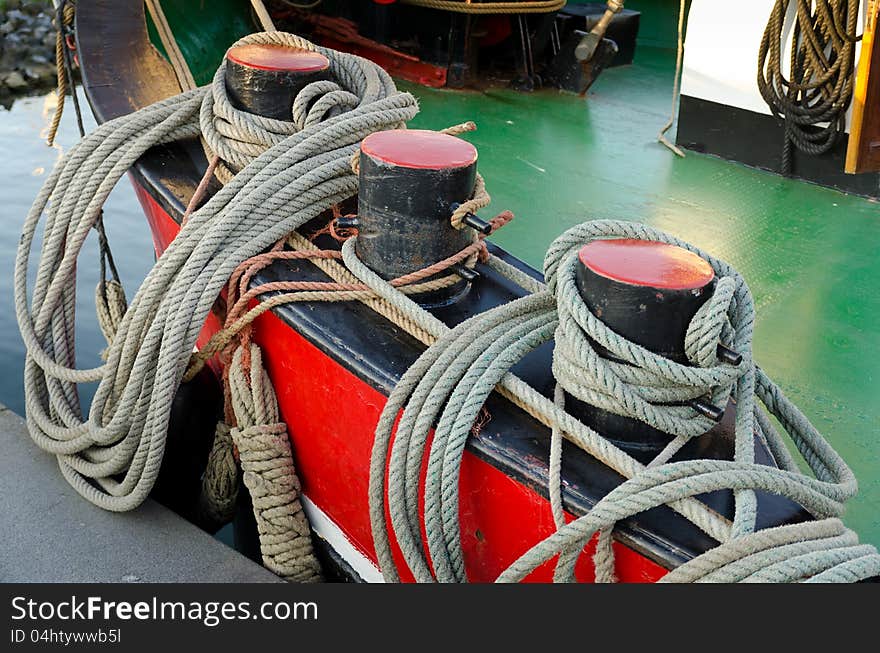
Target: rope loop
{"x": 710, "y": 325}
{"x": 443, "y": 392}
{"x": 238, "y": 137}
{"x": 479, "y": 200}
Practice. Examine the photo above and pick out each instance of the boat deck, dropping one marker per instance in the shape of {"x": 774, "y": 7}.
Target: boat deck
{"x": 809, "y": 253}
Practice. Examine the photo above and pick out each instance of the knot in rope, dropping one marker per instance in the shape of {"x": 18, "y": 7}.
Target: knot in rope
{"x": 266, "y": 460}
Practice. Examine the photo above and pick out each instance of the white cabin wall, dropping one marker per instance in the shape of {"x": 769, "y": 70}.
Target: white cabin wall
{"x": 721, "y": 51}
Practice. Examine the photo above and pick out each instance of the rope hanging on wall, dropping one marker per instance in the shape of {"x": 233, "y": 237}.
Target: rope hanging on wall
{"x": 813, "y": 100}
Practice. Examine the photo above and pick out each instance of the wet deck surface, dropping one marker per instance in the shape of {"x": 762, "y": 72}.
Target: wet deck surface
{"x": 808, "y": 253}
{"x": 51, "y": 534}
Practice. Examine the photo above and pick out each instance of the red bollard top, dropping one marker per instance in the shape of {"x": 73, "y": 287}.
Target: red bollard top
{"x": 646, "y": 263}
{"x": 277, "y": 58}
{"x": 419, "y": 148}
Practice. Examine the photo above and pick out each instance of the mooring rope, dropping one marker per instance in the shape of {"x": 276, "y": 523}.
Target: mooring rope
{"x": 448, "y": 384}
{"x": 819, "y": 87}
{"x": 112, "y": 457}
{"x": 233, "y": 341}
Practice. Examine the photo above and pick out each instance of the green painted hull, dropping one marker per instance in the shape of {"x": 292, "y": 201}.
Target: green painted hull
{"x": 554, "y": 159}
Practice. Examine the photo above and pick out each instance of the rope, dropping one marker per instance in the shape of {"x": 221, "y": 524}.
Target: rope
{"x": 263, "y": 15}
{"x": 676, "y": 84}
{"x": 112, "y": 456}
{"x": 175, "y": 55}
{"x": 110, "y": 306}
{"x": 820, "y": 88}
{"x": 480, "y": 199}
{"x": 239, "y": 137}
{"x": 345, "y": 287}
{"x": 64, "y": 20}
{"x": 220, "y": 481}
{"x": 466, "y": 7}
{"x": 267, "y": 464}
{"x": 446, "y": 387}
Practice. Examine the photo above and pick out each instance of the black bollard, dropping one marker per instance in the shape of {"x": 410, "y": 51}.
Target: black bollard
{"x": 410, "y": 182}
{"x": 647, "y": 292}
{"x": 264, "y": 79}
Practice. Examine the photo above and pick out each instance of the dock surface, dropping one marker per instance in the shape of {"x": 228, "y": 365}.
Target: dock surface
{"x": 48, "y": 533}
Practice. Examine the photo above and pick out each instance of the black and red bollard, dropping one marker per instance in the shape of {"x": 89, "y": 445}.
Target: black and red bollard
{"x": 647, "y": 292}
{"x": 410, "y": 182}
{"x": 265, "y": 79}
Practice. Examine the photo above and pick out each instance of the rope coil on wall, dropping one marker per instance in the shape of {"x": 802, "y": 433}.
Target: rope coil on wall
{"x": 819, "y": 86}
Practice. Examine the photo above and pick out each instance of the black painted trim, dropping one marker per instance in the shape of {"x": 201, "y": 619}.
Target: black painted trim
{"x": 756, "y": 139}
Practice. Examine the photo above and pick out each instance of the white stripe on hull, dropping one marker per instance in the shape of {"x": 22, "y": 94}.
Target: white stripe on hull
{"x": 327, "y": 529}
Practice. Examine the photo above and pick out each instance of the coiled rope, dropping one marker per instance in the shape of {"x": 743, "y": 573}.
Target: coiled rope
{"x": 296, "y": 179}
{"x": 820, "y": 86}
{"x": 112, "y": 456}
{"x": 446, "y": 387}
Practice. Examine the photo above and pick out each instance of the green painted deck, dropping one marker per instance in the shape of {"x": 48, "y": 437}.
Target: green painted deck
{"x": 809, "y": 253}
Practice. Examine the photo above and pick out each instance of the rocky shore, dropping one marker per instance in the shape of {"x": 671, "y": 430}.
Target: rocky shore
{"x": 27, "y": 47}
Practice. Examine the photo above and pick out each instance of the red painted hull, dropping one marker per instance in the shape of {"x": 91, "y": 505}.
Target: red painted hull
{"x": 332, "y": 438}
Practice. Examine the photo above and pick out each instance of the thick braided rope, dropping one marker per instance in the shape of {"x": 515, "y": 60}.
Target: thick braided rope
{"x": 238, "y": 137}
{"x": 511, "y": 387}
{"x": 112, "y": 458}
{"x": 449, "y": 383}
{"x": 267, "y": 463}
{"x": 729, "y": 315}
